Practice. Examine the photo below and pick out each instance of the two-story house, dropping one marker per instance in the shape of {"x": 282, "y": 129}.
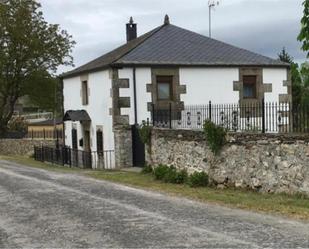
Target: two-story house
{"x": 168, "y": 65}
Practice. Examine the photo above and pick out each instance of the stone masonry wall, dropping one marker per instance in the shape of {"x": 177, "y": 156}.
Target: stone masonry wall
{"x": 21, "y": 147}
{"x": 268, "y": 163}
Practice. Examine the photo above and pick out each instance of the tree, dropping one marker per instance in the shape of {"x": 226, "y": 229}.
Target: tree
{"x": 295, "y": 76}
{"x": 304, "y": 33}
{"x": 47, "y": 94}
{"x": 285, "y": 57}
{"x": 29, "y": 48}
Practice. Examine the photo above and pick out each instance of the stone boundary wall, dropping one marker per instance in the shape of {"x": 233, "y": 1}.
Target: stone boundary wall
{"x": 264, "y": 162}
{"x": 21, "y": 147}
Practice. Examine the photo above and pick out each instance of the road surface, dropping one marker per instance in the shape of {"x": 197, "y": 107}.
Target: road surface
{"x": 39, "y": 209}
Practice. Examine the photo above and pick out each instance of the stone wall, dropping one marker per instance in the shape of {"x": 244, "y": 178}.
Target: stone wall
{"x": 21, "y": 147}
{"x": 269, "y": 163}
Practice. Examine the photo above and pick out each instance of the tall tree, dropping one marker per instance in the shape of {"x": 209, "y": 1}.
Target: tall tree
{"x": 304, "y": 33}
{"x": 295, "y": 76}
{"x": 29, "y": 48}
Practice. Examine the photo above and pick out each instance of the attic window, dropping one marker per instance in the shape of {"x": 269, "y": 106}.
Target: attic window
{"x": 249, "y": 86}
{"x": 164, "y": 87}
{"x": 85, "y": 92}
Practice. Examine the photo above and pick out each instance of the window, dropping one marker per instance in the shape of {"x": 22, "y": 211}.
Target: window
{"x": 74, "y": 139}
{"x": 164, "y": 87}
{"x": 99, "y": 141}
{"x": 249, "y": 86}
{"x": 85, "y": 92}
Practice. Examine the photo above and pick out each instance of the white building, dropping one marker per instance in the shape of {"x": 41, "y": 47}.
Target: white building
{"x": 168, "y": 66}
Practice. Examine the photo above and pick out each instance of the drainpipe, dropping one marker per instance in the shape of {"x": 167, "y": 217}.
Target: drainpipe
{"x": 134, "y": 95}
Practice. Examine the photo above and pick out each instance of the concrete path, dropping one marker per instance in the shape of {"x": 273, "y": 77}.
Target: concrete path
{"x": 45, "y": 209}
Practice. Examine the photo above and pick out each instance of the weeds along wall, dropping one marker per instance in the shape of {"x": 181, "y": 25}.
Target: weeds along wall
{"x": 264, "y": 162}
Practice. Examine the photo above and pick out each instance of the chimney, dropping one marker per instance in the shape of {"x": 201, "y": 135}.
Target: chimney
{"x": 131, "y": 30}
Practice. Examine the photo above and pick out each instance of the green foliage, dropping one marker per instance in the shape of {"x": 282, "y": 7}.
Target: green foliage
{"x": 215, "y": 136}
{"x": 160, "y": 171}
{"x": 198, "y": 179}
{"x": 299, "y": 77}
{"x": 174, "y": 176}
{"x": 304, "y": 33}
{"x": 284, "y": 56}
{"x": 30, "y": 52}
{"x": 145, "y": 133}
{"x": 48, "y": 92}
{"x": 147, "y": 169}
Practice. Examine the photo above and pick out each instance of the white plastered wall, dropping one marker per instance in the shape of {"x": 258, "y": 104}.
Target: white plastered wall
{"x": 209, "y": 84}
{"x": 99, "y": 84}
{"x": 143, "y": 77}
{"x": 275, "y": 76}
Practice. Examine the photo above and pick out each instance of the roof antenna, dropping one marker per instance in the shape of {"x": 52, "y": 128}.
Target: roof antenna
{"x": 166, "y": 20}
{"x": 211, "y": 5}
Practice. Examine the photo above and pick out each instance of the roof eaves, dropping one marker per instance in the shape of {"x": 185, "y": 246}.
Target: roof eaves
{"x": 167, "y": 64}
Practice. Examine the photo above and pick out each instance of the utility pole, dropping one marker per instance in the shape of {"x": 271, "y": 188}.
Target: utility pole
{"x": 211, "y": 5}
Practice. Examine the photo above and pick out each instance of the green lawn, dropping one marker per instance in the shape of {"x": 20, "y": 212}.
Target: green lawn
{"x": 290, "y": 206}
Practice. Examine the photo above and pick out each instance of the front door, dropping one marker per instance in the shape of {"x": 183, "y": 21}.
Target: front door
{"x": 138, "y": 148}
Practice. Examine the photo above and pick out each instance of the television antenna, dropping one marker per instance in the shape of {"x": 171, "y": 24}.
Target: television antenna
{"x": 211, "y": 5}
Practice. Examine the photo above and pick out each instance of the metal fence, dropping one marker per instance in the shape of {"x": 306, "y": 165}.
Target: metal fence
{"x": 247, "y": 117}
{"x": 74, "y": 158}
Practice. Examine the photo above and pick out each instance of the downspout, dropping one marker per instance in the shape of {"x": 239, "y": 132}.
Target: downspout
{"x": 63, "y": 124}
{"x": 134, "y": 96}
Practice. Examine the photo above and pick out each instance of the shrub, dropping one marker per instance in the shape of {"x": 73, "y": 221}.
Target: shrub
{"x": 147, "y": 169}
{"x": 160, "y": 171}
{"x": 215, "y": 136}
{"x": 198, "y": 179}
{"x": 145, "y": 133}
{"x": 174, "y": 176}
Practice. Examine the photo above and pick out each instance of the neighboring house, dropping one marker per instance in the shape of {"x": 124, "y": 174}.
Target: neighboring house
{"x": 168, "y": 66}
{"x": 47, "y": 129}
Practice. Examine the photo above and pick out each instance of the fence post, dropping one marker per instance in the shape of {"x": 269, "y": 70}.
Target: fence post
{"x": 170, "y": 115}
{"x": 263, "y": 115}
{"x": 44, "y": 134}
{"x": 32, "y": 134}
{"x": 209, "y": 110}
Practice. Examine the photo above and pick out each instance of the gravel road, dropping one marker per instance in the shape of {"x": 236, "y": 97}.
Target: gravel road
{"x": 40, "y": 208}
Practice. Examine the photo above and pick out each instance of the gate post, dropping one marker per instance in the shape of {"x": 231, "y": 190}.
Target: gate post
{"x": 170, "y": 115}
{"x": 209, "y": 110}
{"x": 263, "y": 115}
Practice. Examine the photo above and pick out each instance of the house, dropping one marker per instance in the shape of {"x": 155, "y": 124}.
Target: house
{"x": 168, "y": 66}
{"x": 47, "y": 129}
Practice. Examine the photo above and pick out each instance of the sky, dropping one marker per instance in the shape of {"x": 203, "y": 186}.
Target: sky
{"x": 98, "y": 26}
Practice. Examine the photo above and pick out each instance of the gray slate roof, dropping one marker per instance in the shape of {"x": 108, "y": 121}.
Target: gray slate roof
{"x": 172, "y": 45}
{"x": 76, "y": 115}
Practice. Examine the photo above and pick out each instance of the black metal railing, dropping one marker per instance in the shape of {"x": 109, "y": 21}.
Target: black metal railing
{"x": 74, "y": 158}
{"x": 264, "y": 117}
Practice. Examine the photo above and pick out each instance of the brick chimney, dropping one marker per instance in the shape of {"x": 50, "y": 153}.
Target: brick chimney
{"x": 131, "y": 30}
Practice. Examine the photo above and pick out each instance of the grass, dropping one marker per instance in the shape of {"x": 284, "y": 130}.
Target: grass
{"x": 293, "y": 206}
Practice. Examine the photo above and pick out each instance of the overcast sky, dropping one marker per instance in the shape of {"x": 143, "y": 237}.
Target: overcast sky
{"x": 263, "y": 26}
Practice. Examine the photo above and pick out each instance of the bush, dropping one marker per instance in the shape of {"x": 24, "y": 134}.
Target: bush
{"x": 215, "y": 136}
{"x": 147, "y": 169}
{"x": 160, "y": 172}
{"x": 174, "y": 176}
{"x": 198, "y": 179}
{"x": 145, "y": 133}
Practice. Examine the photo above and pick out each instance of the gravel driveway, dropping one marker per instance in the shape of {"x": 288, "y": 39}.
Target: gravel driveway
{"x": 39, "y": 208}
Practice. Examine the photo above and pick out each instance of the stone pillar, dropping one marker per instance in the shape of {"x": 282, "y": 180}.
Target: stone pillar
{"x": 123, "y": 147}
